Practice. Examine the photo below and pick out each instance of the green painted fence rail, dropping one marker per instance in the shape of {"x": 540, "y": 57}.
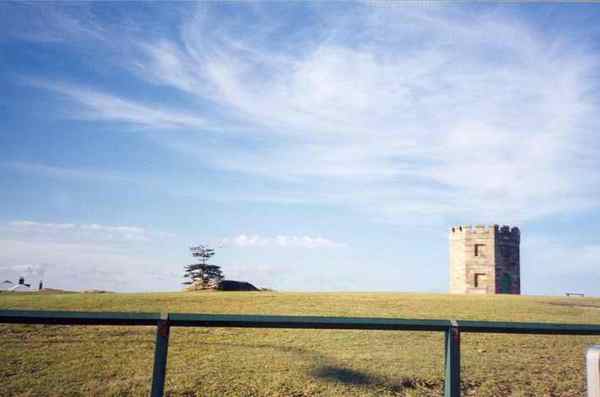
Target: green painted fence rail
{"x": 164, "y": 321}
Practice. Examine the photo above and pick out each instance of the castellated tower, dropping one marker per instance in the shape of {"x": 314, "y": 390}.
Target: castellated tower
{"x": 485, "y": 260}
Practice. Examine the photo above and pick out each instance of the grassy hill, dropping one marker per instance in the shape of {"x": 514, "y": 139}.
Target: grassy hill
{"x": 111, "y": 361}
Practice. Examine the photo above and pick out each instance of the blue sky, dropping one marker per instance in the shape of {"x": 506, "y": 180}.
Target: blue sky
{"x": 318, "y": 146}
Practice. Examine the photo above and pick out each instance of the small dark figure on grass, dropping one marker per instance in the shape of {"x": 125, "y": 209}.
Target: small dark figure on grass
{"x": 202, "y": 275}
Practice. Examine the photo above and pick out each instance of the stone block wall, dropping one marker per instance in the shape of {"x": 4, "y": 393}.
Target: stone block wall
{"x": 508, "y": 261}
{"x": 484, "y": 260}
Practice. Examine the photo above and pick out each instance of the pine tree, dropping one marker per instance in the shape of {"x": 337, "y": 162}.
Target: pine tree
{"x": 203, "y": 275}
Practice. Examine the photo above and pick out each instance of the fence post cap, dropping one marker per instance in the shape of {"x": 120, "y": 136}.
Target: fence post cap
{"x": 593, "y": 353}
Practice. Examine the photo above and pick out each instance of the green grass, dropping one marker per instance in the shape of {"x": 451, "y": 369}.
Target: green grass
{"x": 117, "y": 361}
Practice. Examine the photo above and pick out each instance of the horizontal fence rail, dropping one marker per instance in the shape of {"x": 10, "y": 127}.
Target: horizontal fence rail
{"x": 163, "y": 321}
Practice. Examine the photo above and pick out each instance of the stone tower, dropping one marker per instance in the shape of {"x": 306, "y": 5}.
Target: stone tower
{"x": 485, "y": 260}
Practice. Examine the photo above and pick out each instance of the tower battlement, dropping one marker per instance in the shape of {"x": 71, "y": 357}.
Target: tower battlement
{"x": 509, "y": 232}
{"x": 469, "y": 229}
{"x": 485, "y": 259}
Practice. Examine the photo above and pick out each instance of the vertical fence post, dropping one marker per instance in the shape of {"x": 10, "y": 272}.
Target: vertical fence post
{"x": 592, "y": 359}
{"x": 160, "y": 356}
{"x": 452, "y": 379}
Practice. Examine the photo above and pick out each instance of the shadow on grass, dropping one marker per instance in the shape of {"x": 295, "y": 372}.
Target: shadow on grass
{"x": 356, "y": 378}
{"x": 335, "y": 373}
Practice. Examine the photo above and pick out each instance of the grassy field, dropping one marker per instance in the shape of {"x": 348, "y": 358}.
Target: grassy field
{"x": 117, "y": 361}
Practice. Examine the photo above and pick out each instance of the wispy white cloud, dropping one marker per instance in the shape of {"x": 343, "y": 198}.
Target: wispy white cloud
{"x": 282, "y": 241}
{"x": 87, "y": 255}
{"x": 488, "y": 120}
{"x": 77, "y": 265}
{"x": 83, "y": 232}
{"x": 49, "y": 22}
{"x": 412, "y": 114}
{"x": 68, "y": 173}
{"x": 106, "y": 107}
{"x": 399, "y": 111}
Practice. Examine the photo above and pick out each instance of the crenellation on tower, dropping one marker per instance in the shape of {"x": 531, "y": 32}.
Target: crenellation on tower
{"x": 485, "y": 259}
{"x": 509, "y": 231}
{"x": 474, "y": 228}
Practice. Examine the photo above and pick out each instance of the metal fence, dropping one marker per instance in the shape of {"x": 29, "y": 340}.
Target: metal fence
{"x": 164, "y": 321}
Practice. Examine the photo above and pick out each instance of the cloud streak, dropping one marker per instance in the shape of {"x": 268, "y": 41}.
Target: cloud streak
{"x": 281, "y": 241}
{"x": 499, "y": 122}
{"x": 78, "y": 256}
{"x": 87, "y": 232}
{"x": 414, "y": 115}
{"x": 101, "y": 106}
